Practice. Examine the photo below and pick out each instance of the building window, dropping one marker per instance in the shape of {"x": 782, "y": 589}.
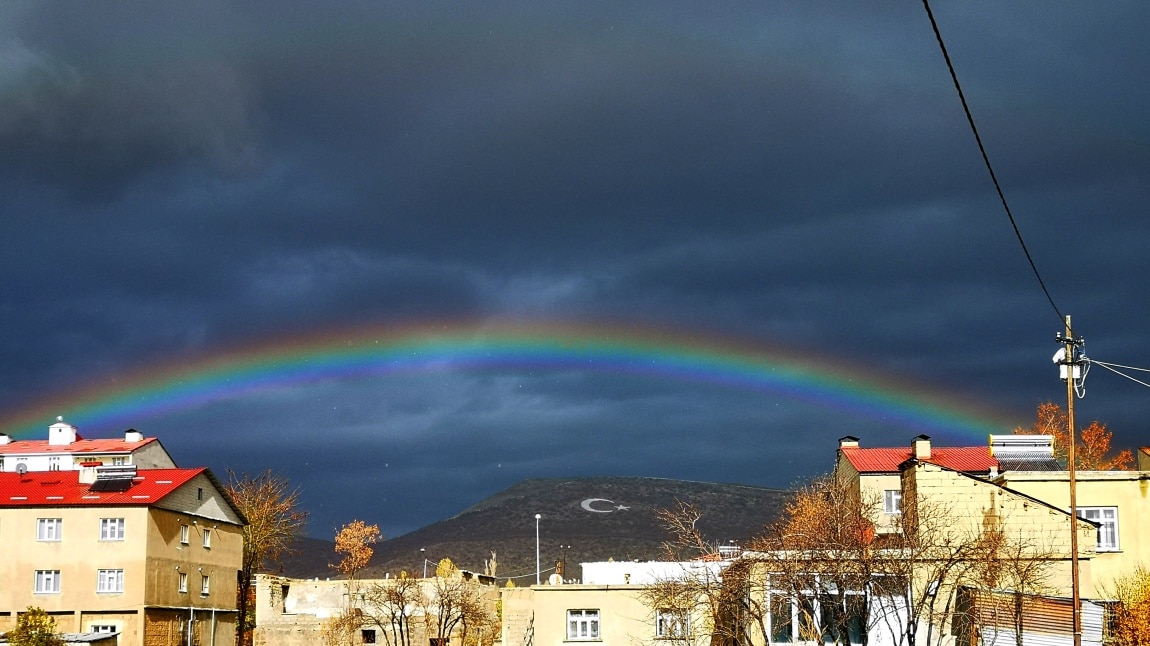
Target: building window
{"x": 1107, "y": 517}
{"x": 49, "y": 529}
{"x": 368, "y": 635}
{"x": 54, "y": 463}
{"x": 207, "y": 538}
{"x": 199, "y": 493}
{"x": 205, "y": 586}
{"x": 47, "y": 582}
{"x": 103, "y": 628}
{"x": 582, "y": 625}
{"x": 892, "y": 501}
{"x": 1, "y": 463}
{"x": 818, "y": 611}
{"x": 672, "y": 623}
{"x": 183, "y": 581}
{"x": 119, "y": 462}
{"x": 109, "y": 581}
{"x": 185, "y": 532}
{"x": 111, "y": 529}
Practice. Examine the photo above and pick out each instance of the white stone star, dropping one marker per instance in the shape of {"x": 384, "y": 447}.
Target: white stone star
{"x": 621, "y": 507}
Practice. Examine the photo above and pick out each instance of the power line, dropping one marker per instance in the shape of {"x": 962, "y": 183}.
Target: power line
{"x": 986, "y": 160}
{"x": 1110, "y": 367}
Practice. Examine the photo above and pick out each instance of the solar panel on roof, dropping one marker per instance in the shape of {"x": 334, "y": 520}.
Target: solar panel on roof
{"x": 111, "y": 485}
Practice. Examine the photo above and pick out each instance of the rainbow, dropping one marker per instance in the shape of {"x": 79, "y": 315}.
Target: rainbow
{"x": 354, "y": 353}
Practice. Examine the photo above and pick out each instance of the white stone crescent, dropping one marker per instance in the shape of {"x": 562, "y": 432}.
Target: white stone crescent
{"x": 586, "y": 504}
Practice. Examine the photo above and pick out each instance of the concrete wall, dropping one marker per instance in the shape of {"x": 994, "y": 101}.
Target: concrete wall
{"x": 539, "y": 614}
{"x": 1129, "y": 491}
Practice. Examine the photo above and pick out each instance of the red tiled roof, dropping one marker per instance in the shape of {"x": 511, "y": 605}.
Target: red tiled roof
{"x": 79, "y": 446}
{"x": 883, "y": 460}
{"x": 63, "y": 488}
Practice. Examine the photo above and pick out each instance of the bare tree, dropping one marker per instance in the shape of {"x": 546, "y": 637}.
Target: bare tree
{"x": 274, "y": 520}
{"x": 820, "y": 561}
{"x": 457, "y": 605}
{"x": 700, "y": 603}
{"x": 391, "y": 604}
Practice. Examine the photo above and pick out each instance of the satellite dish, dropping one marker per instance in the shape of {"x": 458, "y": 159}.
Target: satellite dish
{"x": 21, "y": 468}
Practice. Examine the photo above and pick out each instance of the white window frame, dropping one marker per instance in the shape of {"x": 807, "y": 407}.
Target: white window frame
{"x": 119, "y": 461}
{"x": 205, "y": 585}
{"x": 103, "y": 628}
{"x": 583, "y": 624}
{"x": 672, "y": 623}
{"x": 111, "y": 529}
{"x": 207, "y": 538}
{"x": 812, "y": 598}
{"x": 185, "y": 534}
{"x": 1107, "y": 517}
{"x": 50, "y": 529}
{"x": 53, "y": 463}
{"x": 111, "y": 580}
{"x": 183, "y": 583}
{"x": 892, "y": 502}
{"x": 47, "y": 582}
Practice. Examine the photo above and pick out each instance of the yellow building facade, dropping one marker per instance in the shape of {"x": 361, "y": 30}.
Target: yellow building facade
{"x": 1118, "y": 501}
{"x": 153, "y": 558}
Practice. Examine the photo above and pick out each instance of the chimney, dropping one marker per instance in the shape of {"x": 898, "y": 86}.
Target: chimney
{"x": 132, "y": 435}
{"x": 4, "y": 439}
{"x": 848, "y": 442}
{"x": 920, "y": 447}
{"x": 61, "y": 433}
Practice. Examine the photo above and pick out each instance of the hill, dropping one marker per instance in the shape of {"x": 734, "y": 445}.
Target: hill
{"x": 583, "y": 519}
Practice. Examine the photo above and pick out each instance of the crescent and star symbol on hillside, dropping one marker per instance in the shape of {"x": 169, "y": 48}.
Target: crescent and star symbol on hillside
{"x": 586, "y": 505}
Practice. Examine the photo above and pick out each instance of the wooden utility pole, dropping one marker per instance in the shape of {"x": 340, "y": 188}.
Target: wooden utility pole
{"x": 1070, "y": 361}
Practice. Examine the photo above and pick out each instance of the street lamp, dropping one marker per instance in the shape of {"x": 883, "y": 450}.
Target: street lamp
{"x": 423, "y": 556}
{"x": 538, "y": 569}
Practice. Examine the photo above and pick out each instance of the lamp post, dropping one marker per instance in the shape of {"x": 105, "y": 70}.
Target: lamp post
{"x": 423, "y": 557}
{"x": 538, "y": 569}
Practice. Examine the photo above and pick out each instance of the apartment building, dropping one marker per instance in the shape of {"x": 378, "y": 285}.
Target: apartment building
{"x": 66, "y": 450}
{"x": 148, "y": 554}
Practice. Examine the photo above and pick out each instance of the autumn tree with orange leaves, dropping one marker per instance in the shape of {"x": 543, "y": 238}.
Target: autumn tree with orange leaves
{"x": 274, "y": 520}
{"x": 1092, "y": 448}
{"x": 354, "y": 541}
{"x": 1129, "y": 617}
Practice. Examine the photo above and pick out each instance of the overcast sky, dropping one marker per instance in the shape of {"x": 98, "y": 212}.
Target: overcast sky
{"x": 177, "y": 179}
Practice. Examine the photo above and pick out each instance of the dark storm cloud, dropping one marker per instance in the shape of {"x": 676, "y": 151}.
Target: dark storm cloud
{"x": 177, "y": 178}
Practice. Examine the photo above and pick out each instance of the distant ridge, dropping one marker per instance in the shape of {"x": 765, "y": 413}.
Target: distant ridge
{"x": 599, "y": 518}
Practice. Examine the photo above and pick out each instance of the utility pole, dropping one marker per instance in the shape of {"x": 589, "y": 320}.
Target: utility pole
{"x": 1070, "y": 368}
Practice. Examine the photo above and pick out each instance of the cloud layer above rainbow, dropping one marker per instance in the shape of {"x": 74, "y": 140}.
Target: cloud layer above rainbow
{"x": 146, "y": 392}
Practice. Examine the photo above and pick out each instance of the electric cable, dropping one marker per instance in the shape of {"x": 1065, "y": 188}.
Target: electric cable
{"x": 989, "y": 167}
{"x": 1109, "y": 367}
{"x": 1118, "y": 365}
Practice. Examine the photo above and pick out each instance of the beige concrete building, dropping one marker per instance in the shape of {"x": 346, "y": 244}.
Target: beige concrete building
{"x": 296, "y": 612}
{"x": 1118, "y": 501}
{"x": 149, "y": 554}
{"x": 609, "y": 607}
{"x": 877, "y": 471}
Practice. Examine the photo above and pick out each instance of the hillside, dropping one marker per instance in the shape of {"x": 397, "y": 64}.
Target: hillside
{"x": 599, "y": 518}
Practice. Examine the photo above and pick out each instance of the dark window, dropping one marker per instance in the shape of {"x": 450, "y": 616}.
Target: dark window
{"x": 368, "y": 635}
